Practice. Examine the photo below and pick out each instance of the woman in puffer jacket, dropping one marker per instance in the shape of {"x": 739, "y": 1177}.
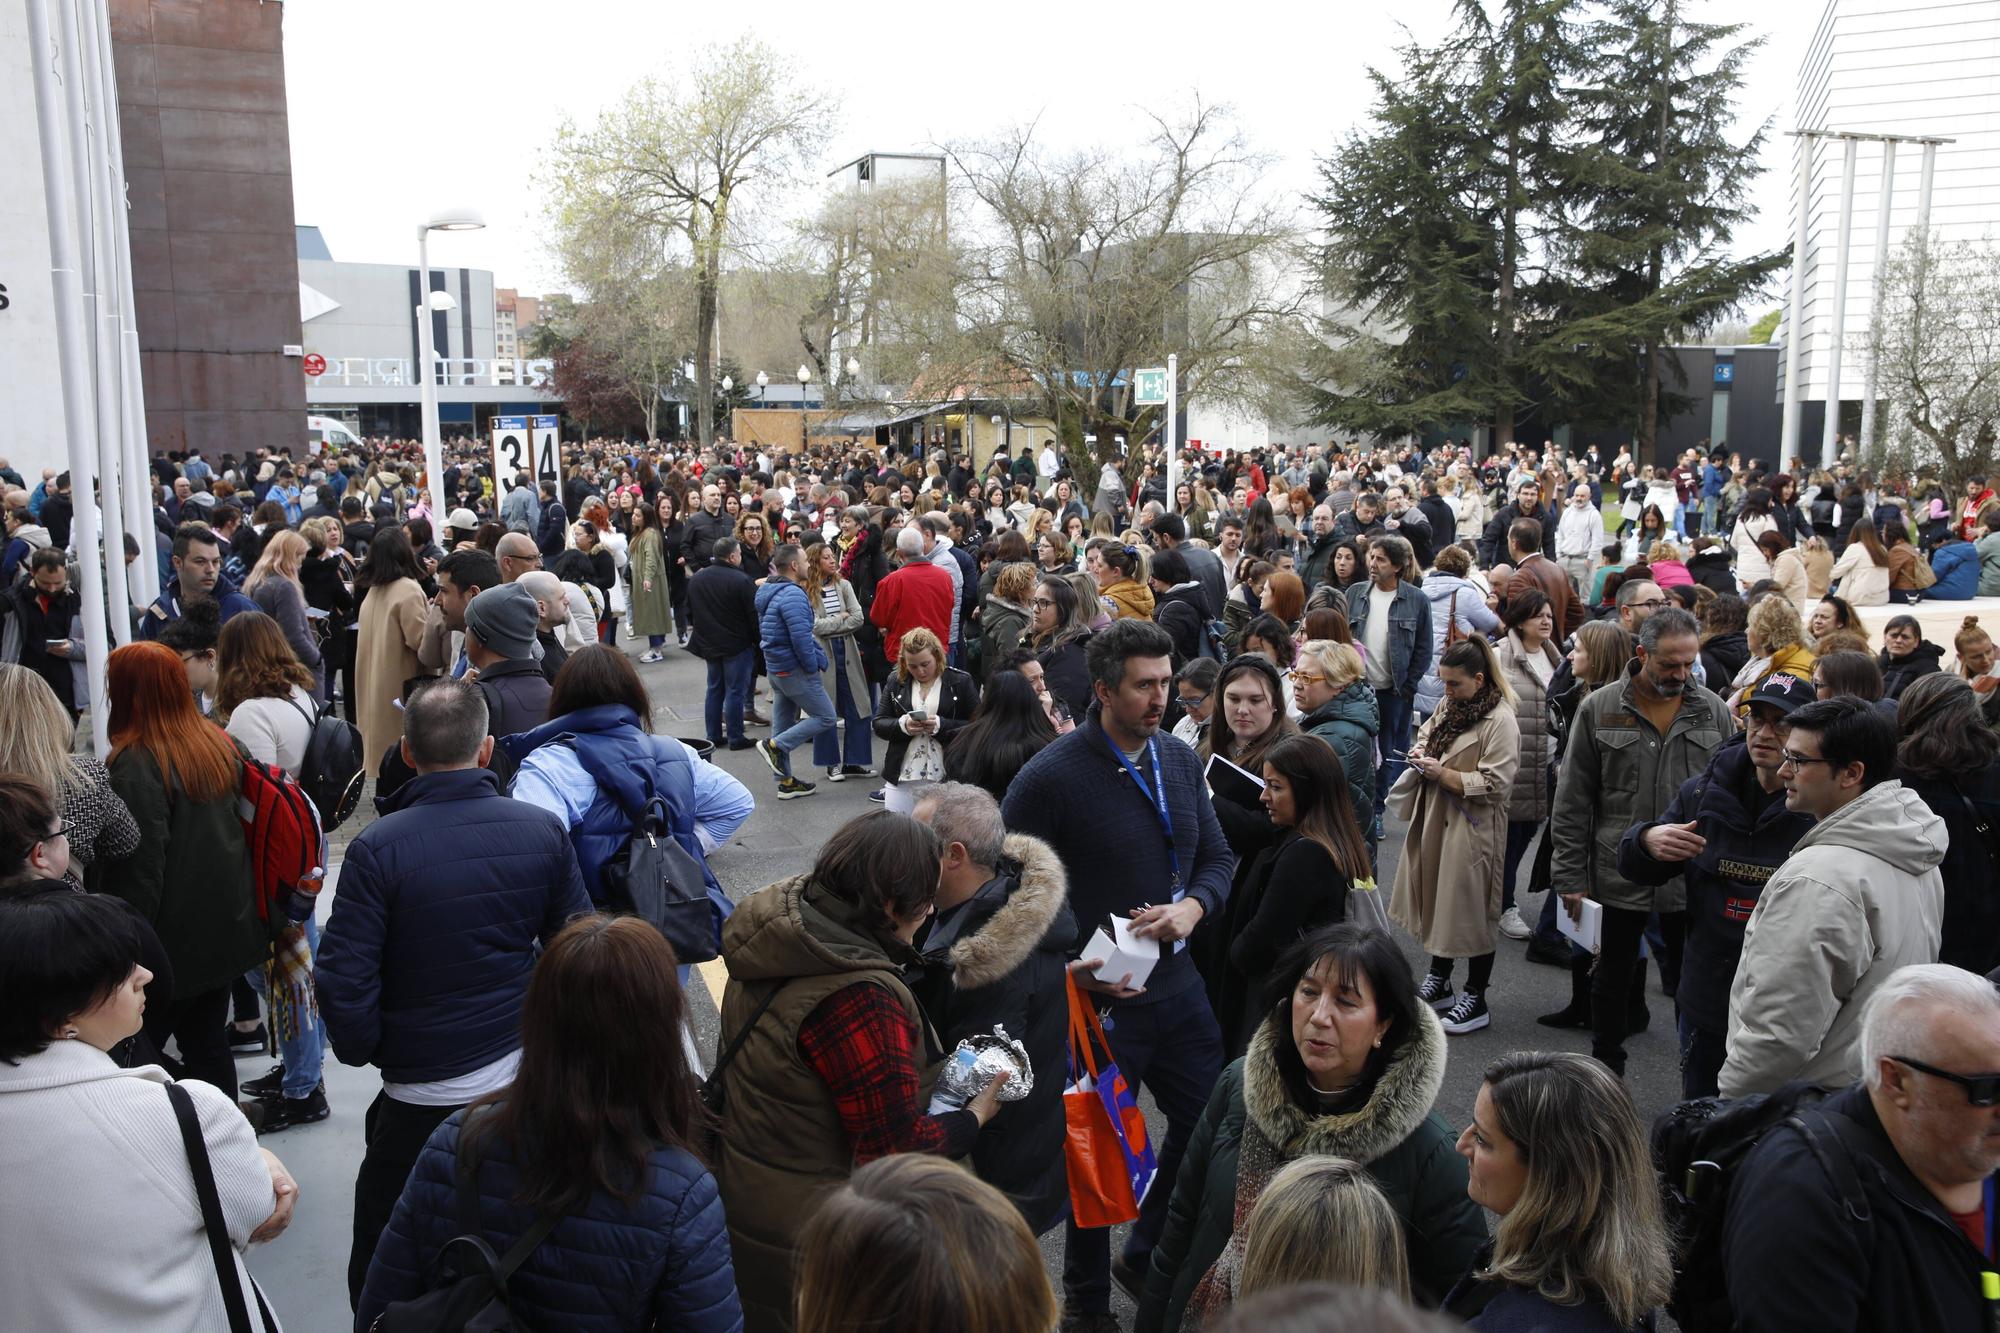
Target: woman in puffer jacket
{"x": 1452, "y": 596}
{"x": 637, "y": 1239}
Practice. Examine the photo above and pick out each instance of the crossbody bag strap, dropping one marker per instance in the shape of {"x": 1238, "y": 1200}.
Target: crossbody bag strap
{"x": 205, "y": 1192}
{"x": 466, "y": 1172}
{"x": 1980, "y": 824}
{"x": 743, "y": 1033}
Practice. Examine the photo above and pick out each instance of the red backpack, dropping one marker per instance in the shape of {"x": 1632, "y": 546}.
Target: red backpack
{"x": 287, "y": 849}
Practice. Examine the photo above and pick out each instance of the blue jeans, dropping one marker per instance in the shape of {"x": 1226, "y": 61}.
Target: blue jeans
{"x": 1174, "y": 1048}
{"x": 800, "y": 711}
{"x": 852, "y": 747}
{"x": 1711, "y": 508}
{"x": 302, "y": 1053}
{"x": 728, "y": 691}
{"x": 1395, "y": 739}
{"x": 1702, "y": 1056}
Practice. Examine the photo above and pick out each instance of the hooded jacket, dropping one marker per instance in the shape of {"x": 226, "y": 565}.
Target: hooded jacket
{"x": 1405, "y": 1146}
{"x": 1000, "y": 958}
{"x": 1127, "y": 600}
{"x": 20, "y": 547}
{"x": 782, "y": 1144}
{"x": 1448, "y": 597}
{"x": 1178, "y": 611}
{"x": 1725, "y": 880}
{"x": 1925, "y": 659}
{"x": 1349, "y": 722}
{"x": 1859, "y": 897}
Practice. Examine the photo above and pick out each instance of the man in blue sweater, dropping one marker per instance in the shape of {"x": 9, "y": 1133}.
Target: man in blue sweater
{"x": 794, "y": 658}
{"x": 1127, "y": 811}
{"x": 441, "y": 910}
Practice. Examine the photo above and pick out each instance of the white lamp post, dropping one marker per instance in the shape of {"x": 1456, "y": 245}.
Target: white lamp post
{"x": 451, "y": 219}
{"x": 763, "y": 382}
{"x": 805, "y": 378}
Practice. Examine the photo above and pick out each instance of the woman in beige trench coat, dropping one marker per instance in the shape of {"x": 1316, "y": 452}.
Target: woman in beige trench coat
{"x": 388, "y": 630}
{"x": 1454, "y": 796}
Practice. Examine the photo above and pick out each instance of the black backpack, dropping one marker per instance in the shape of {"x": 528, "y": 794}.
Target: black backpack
{"x": 1698, "y": 1147}
{"x": 333, "y": 767}
{"x": 655, "y": 879}
{"x": 468, "y": 1287}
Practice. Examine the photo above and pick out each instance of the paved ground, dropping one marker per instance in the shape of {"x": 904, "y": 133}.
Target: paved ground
{"x": 304, "y": 1271}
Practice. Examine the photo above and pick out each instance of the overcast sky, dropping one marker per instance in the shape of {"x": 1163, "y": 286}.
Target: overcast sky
{"x": 399, "y": 108}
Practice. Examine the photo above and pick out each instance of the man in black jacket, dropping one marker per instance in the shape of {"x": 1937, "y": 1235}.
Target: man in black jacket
{"x": 722, "y": 602}
{"x": 1918, "y": 1140}
{"x": 995, "y": 956}
{"x": 1527, "y": 504}
{"x": 1725, "y": 832}
{"x": 1170, "y": 534}
{"x": 705, "y": 527}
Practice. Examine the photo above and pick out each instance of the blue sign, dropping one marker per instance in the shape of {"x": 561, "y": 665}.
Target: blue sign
{"x": 1725, "y": 372}
{"x": 510, "y": 423}
{"x": 548, "y": 423}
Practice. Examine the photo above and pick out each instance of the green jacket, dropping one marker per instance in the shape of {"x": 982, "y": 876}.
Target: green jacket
{"x": 189, "y": 877}
{"x": 1406, "y": 1147}
{"x": 1619, "y": 771}
{"x": 1349, "y": 723}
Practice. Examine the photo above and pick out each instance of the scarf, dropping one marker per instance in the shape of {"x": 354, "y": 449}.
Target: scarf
{"x": 288, "y": 977}
{"x": 1257, "y": 1161}
{"x": 1457, "y": 717}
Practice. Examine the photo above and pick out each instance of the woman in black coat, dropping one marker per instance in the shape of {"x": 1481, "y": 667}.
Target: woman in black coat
{"x": 947, "y": 698}
{"x": 1059, "y": 633}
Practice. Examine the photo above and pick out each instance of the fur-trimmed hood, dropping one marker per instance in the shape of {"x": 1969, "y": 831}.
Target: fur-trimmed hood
{"x": 997, "y": 942}
{"x": 1404, "y": 1094}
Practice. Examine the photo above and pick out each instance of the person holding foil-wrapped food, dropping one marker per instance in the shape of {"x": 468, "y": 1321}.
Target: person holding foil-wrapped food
{"x": 994, "y": 958}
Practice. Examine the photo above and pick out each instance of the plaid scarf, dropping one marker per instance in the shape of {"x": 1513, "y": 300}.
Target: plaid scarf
{"x": 288, "y": 976}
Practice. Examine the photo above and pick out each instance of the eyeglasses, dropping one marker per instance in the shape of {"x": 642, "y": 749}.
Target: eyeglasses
{"x": 63, "y": 830}
{"x": 1041, "y": 603}
{"x": 1309, "y": 677}
{"x": 1980, "y": 1089}
{"x": 1654, "y": 603}
{"x": 1798, "y": 760}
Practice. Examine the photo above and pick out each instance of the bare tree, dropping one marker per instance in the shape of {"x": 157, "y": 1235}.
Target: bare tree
{"x": 682, "y": 160}
{"x": 1938, "y": 348}
{"x": 1087, "y": 266}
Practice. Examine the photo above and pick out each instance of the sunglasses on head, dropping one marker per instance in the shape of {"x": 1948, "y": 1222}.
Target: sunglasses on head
{"x": 1980, "y": 1089}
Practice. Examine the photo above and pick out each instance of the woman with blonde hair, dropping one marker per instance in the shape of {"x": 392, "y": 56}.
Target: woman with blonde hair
{"x": 35, "y": 743}
{"x": 919, "y": 1242}
{"x": 1454, "y": 797}
{"x": 274, "y": 585}
{"x": 1323, "y": 1219}
{"x": 1330, "y": 687}
{"x": 1558, "y": 1152}
{"x": 1776, "y": 637}
{"x": 924, "y": 704}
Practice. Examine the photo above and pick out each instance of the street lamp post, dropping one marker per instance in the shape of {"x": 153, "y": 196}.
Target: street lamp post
{"x": 763, "y": 382}
{"x": 805, "y": 378}
{"x": 452, "y": 219}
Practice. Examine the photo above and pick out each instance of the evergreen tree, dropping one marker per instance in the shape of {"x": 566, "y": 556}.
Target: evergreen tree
{"x": 1652, "y": 189}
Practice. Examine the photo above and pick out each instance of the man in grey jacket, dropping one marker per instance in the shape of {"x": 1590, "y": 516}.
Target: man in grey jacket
{"x": 1631, "y": 747}
{"x": 1391, "y": 618}
{"x": 1859, "y": 897}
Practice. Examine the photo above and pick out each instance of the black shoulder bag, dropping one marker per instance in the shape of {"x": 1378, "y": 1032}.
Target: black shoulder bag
{"x": 219, "y": 1247}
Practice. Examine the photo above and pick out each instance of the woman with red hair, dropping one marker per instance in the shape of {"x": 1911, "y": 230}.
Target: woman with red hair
{"x": 190, "y": 876}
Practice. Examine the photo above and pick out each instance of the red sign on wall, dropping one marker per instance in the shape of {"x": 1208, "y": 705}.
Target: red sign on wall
{"x": 314, "y": 365}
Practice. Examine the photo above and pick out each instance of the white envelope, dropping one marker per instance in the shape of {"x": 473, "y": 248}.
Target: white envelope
{"x": 1123, "y": 952}
{"x": 1588, "y": 930}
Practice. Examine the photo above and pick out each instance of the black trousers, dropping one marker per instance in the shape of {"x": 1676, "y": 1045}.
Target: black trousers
{"x": 1619, "y": 969}
{"x": 197, "y": 1025}
{"x": 396, "y": 1132}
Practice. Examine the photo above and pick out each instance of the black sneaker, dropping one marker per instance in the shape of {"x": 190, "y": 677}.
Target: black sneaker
{"x": 270, "y": 1085}
{"x": 1554, "y": 955}
{"x": 284, "y": 1112}
{"x": 253, "y": 1042}
{"x": 855, "y": 771}
{"x": 744, "y": 744}
{"x": 1468, "y": 1015}
{"x": 880, "y": 795}
{"x": 1436, "y": 992}
{"x": 789, "y": 788}
{"x": 773, "y": 756}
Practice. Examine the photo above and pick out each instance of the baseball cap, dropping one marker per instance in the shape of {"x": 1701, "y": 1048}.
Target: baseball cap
{"x": 463, "y": 520}
{"x": 1785, "y": 693}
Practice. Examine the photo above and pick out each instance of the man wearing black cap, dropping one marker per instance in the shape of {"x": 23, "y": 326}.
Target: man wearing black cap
{"x": 1726, "y": 832}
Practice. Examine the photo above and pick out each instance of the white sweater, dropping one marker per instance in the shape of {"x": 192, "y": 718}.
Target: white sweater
{"x": 273, "y": 731}
{"x": 103, "y": 1230}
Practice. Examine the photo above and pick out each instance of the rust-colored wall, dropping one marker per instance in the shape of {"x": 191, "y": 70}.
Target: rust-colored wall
{"x": 201, "y": 99}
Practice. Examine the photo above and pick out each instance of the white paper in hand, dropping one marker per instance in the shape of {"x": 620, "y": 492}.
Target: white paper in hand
{"x": 1123, "y": 952}
{"x": 1587, "y": 930}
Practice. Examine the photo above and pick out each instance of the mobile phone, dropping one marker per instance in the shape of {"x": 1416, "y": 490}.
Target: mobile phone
{"x": 919, "y": 715}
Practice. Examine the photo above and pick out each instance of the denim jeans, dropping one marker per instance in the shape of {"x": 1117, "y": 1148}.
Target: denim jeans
{"x": 800, "y": 711}
{"x": 302, "y": 1053}
{"x": 728, "y": 693}
{"x": 853, "y": 746}
{"x": 1395, "y": 740}
{"x": 1174, "y": 1048}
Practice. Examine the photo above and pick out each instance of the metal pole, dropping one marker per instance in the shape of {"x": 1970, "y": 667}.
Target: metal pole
{"x": 133, "y": 477}
{"x": 1173, "y": 454}
{"x": 72, "y": 354}
{"x": 107, "y": 199}
{"x": 426, "y": 379}
{"x": 1868, "y": 378}
{"x": 1924, "y": 192}
{"x": 1829, "y": 445}
{"x": 1795, "y": 342}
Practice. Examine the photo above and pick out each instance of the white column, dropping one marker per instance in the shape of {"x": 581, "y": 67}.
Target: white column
{"x": 1868, "y": 378}
{"x": 427, "y": 379}
{"x": 72, "y": 324}
{"x": 108, "y": 199}
{"x": 1829, "y": 445}
{"x": 1795, "y": 341}
{"x": 1173, "y": 453}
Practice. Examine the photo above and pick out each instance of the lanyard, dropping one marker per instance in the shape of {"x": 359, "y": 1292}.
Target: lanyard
{"x": 1157, "y": 795}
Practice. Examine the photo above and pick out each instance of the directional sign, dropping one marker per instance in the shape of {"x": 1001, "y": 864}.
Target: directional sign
{"x": 314, "y": 365}
{"x": 1149, "y": 387}
{"x": 511, "y": 451}
{"x": 546, "y": 434}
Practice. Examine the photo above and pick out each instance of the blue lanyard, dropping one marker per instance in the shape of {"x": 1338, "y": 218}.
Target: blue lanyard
{"x": 1157, "y": 795}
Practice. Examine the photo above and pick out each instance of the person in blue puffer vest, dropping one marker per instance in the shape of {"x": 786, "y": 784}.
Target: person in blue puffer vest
{"x": 1956, "y": 564}
{"x": 632, "y": 1235}
{"x": 594, "y": 761}
{"x": 801, "y": 710}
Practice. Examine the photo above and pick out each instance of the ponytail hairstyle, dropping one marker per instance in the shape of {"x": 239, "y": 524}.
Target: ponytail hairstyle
{"x": 1474, "y": 655}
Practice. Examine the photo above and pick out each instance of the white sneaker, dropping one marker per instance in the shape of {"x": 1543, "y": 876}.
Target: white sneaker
{"x": 1513, "y": 926}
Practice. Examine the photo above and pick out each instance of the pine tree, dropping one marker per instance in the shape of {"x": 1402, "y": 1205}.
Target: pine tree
{"x": 1652, "y": 189}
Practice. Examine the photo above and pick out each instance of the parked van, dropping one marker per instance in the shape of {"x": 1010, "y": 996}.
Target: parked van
{"x": 330, "y": 433}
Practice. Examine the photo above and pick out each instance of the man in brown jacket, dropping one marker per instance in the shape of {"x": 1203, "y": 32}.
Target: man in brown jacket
{"x": 1533, "y": 569}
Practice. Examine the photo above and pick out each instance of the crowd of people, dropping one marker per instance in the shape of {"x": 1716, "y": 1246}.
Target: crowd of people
{"x": 1198, "y": 717}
